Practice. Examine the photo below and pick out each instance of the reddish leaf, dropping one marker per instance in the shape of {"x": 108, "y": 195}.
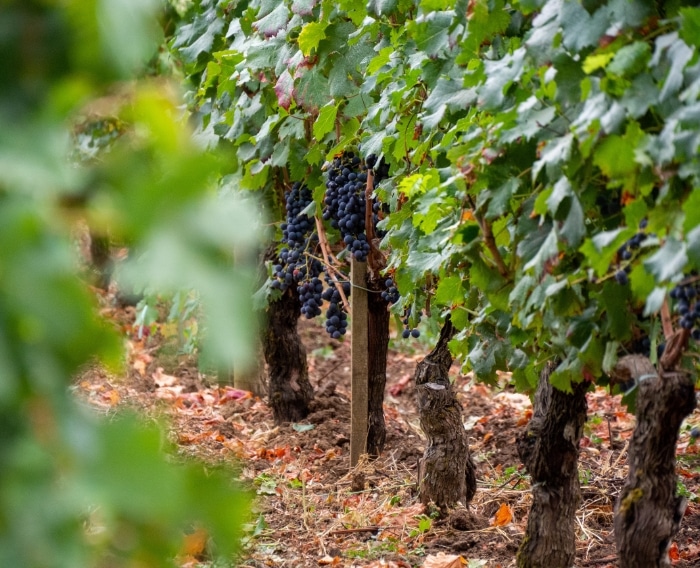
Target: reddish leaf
{"x": 673, "y": 553}
{"x": 503, "y": 516}
{"x": 284, "y": 89}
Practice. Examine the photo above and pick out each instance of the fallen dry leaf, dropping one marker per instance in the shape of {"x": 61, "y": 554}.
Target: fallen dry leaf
{"x": 193, "y": 549}
{"x": 328, "y": 560}
{"x": 162, "y": 379}
{"x": 442, "y": 560}
{"x": 673, "y": 553}
{"x": 503, "y": 516}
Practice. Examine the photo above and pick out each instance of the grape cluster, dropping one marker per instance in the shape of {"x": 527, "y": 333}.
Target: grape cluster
{"x": 336, "y": 318}
{"x": 687, "y": 297}
{"x": 626, "y": 252}
{"x": 381, "y": 172}
{"x": 298, "y": 234}
{"x": 345, "y": 203}
{"x": 295, "y": 265}
{"x": 407, "y": 331}
{"x": 391, "y": 293}
{"x": 310, "y": 294}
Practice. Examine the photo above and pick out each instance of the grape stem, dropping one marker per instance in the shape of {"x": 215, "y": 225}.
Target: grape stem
{"x": 674, "y": 349}
{"x": 490, "y": 241}
{"x": 375, "y": 259}
{"x": 325, "y": 250}
{"x": 666, "y": 322}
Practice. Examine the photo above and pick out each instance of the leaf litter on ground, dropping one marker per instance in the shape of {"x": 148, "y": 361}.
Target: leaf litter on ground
{"x": 312, "y": 509}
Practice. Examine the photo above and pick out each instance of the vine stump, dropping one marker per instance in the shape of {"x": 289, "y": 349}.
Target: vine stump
{"x": 549, "y": 450}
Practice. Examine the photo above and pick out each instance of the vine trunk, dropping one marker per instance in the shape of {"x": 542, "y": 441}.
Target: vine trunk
{"x": 549, "y": 450}
{"x": 290, "y": 391}
{"x": 446, "y": 473}
{"x": 649, "y": 510}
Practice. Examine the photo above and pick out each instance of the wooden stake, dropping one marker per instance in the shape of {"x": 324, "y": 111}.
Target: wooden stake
{"x": 359, "y": 362}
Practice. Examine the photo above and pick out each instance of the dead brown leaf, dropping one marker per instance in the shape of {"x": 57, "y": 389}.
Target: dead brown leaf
{"x": 442, "y": 560}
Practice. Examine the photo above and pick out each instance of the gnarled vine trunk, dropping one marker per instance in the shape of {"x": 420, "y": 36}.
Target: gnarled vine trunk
{"x": 446, "y": 473}
{"x": 649, "y": 510}
{"x": 378, "y": 346}
{"x": 290, "y": 391}
{"x": 101, "y": 257}
{"x": 549, "y": 450}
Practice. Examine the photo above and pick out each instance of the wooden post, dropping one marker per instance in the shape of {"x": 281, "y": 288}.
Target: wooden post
{"x": 359, "y": 361}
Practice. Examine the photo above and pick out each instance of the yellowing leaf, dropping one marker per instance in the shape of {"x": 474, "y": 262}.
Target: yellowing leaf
{"x": 596, "y": 61}
{"x": 311, "y": 35}
{"x": 503, "y": 516}
{"x": 419, "y": 183}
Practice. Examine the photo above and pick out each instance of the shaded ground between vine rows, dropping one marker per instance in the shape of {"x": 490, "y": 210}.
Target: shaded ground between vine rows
{"x": 312, "y": 510}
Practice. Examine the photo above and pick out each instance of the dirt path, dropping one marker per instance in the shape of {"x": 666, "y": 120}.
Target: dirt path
{"x": 313, "y": 511}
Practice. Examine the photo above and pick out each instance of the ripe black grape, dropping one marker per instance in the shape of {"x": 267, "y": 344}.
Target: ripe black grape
{"x": 390, "y": 294}
{"x": 688, "y": 306}
{"x": 295, "y": 265}
{"x": 621, "y": 277}
{"x": 627, "y": 251}
{"x": 299, "y": 267}
{"x": 336, "y": 318}
{"x": 408, "y": 331}
{"x": 345, "y": 202}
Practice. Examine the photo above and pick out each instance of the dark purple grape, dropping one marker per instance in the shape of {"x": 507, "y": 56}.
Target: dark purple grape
{"x": 622, "y": 278}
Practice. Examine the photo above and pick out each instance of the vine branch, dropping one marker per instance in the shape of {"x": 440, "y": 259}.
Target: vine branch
{"x": 327, "y": 256}
{"x": 375, "y": 259}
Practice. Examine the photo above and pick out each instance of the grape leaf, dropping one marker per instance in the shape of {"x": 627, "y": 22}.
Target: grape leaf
{"x": 271, "y": 24}
{"x": 450, "y": 291}
{"x": 325, "y": 121}
{"x": 198, "y": 37}
{"x": 630, "y": 59}
{"x": 690, "y": 25}
{"x": 669, "y": 261}
{"x": 311, "y": 35}
{"x": 284, "y": 89}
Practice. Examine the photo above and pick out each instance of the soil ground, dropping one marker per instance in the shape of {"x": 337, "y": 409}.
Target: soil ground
{"x": 313, "y": 510}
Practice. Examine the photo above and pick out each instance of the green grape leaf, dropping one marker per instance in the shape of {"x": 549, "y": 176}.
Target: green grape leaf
{"x": 654, "y": 301}
{"x": 690, "y": 26}
{"x": 678, "y": 54}
{"x": 580, "y": 28}
{"x": 196, "y": 38}
{"x": 450, "y": 291}
{"x": 313, "y": 89}
{"x": 693, "y": 242}
{"x": 547, "y": 250}
{"x": 325, "y": 122}
{"x": 381, "y": 7}
{"x": 630, "y": 59}
{"x": 432, "y": 34}
{"x": 271, "y": 24}
{"x": 615, "y": 300}
{"x": 669, "y": 261}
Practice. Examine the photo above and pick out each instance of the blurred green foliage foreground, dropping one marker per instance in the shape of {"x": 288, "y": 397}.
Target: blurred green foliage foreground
{"x": 76, "y": 489}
